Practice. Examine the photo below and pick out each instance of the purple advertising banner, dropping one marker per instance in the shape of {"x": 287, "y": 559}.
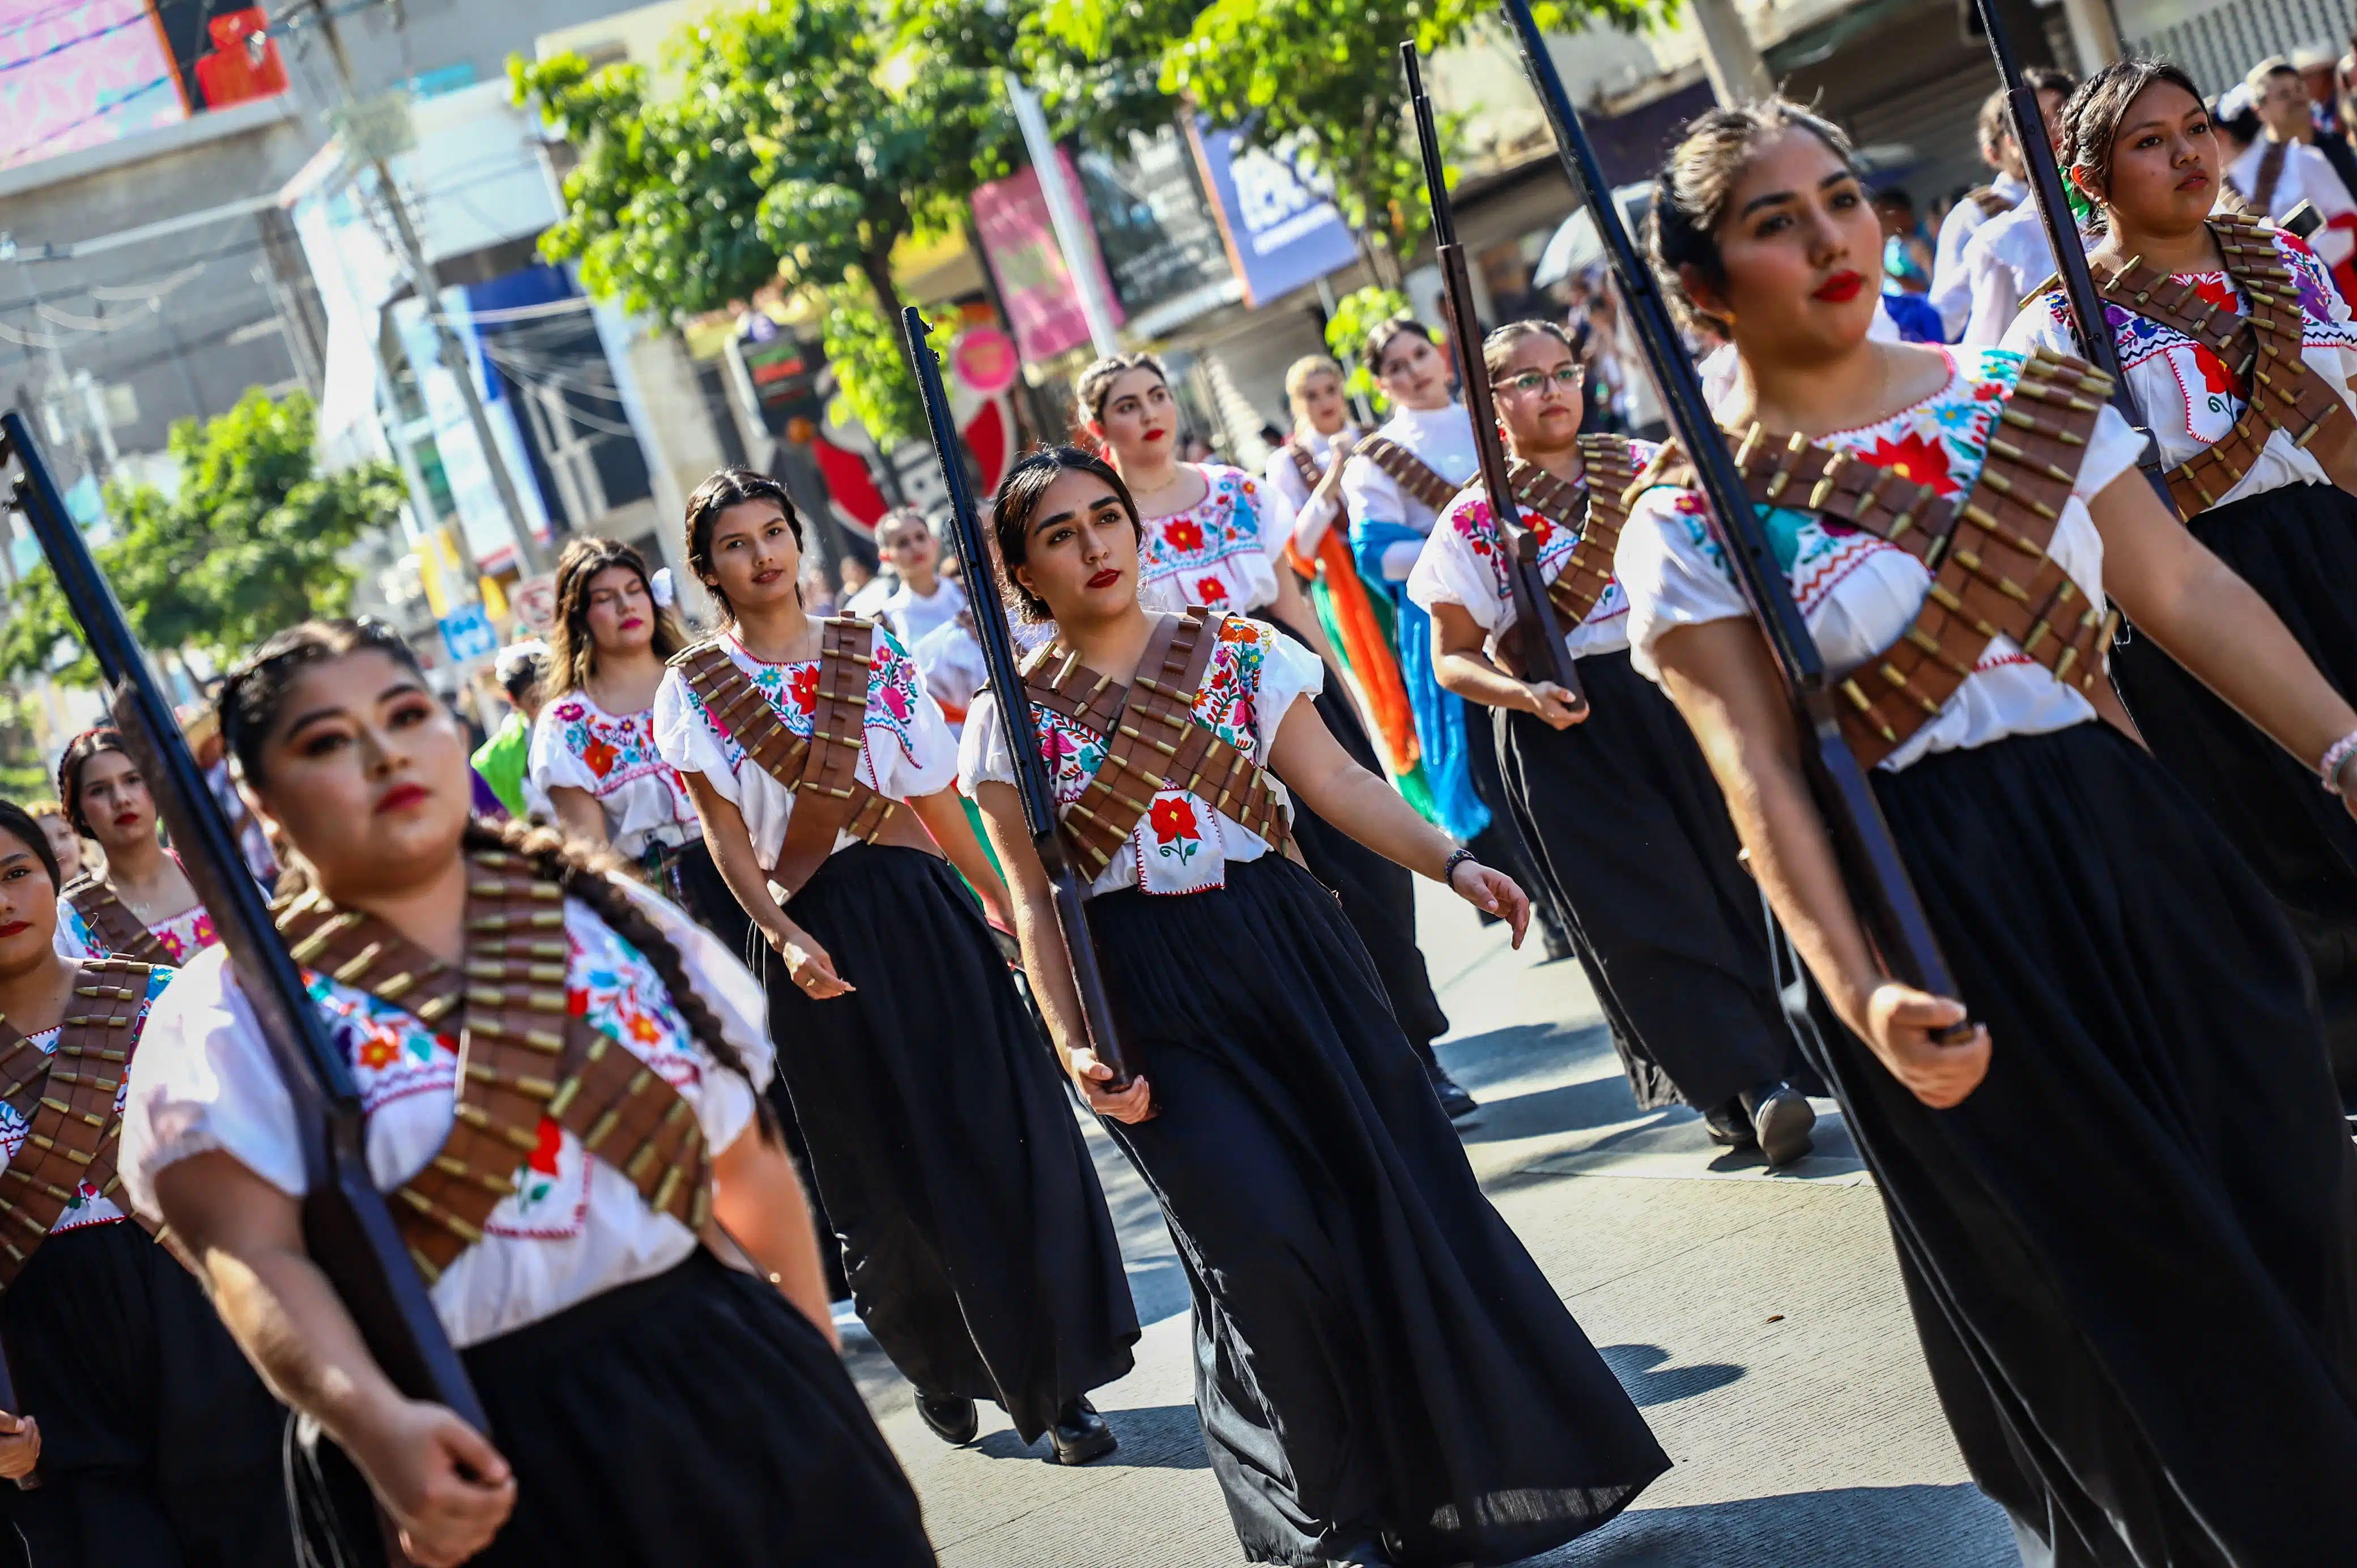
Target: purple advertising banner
{"x": 1018, "y": 241}
{"x": 1281, "y": 232}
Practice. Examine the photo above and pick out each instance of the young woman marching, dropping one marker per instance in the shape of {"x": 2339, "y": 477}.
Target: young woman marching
{"x": 1395, "y": 484}
{"x": 976, "y": 1240}
{"x": 569, "y": 1201}
{"x": 139, "y": 905}
{"x": 1214, "y": 536}
{"x": 2125, "y": 1205}
{"x": 2269, "y": 486}
{"x": 1614, "y": 798}
{"x": 142, "y": 1437}
{"x": 1378, "y": 1359}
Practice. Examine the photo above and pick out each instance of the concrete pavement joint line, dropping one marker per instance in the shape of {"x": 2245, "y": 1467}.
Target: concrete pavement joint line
{"x": 1712, "y": 1241}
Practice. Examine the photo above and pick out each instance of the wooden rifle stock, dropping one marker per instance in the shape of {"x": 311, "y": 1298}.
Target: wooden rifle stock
{"x": 1871, "y": 869}
{"x": 1542, "y": 655}
{"x": 1022, "y": 733}
{"x": 347, "y": 1227}
{"x": 2089, "y": 322}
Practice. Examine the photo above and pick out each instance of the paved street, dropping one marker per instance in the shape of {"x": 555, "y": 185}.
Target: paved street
{"x": 1759, "y": 1320}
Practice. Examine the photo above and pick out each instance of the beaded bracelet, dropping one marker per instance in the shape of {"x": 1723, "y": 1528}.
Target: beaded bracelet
{"x": 1461, "y": 854}
{"x": 2335, "y": 756}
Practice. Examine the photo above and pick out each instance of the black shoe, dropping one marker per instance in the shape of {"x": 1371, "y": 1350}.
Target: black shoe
{"x": 1080, "y": 1434}
{"x": 1366, "y": 1554}
{"x": 1730, "y": 1125}
{"x": 1453, "y": 1096}
{"x": 1780, "y": 1119}
{"x": 952, "y": 1416}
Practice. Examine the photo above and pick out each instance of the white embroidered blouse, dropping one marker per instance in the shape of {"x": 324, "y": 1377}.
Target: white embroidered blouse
{"x": 183, "y": 935}
{"x": 1464, "y": 564}
{"x": 87, "y": 1206}
{"x": 1222, "y": 553}
{"x": 205, "y": 1080}
{"x": 1180, "y": 844}
{"x": 1311, "y": 519}
{"x": 1859, "y": 594}
{"x": 2187, "y": 392}
{"x": 1442, "y": 438}
{"x": 909, "y": 751}
{"x": 578, "y": 744}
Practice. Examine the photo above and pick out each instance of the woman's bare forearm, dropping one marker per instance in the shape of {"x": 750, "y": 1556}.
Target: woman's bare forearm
{"x": 1046, "y": 964}
{"x": 946, "y": 820}
{"x": 758, "y": 1200}
{"x": 1314, "y": 766}
{"x": 579, "y": 813}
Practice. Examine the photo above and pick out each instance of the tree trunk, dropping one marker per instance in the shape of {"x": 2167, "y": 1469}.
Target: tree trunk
{"x": 876, "y": 266}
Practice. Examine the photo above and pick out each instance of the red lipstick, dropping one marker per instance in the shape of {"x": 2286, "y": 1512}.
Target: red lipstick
{"x": 1104, "y": 579}
{"x": 126, "y": 819}
{"x": 14, "y": 926}
{"x": 400, "y": 798}
{"x": 1841, "y": 287}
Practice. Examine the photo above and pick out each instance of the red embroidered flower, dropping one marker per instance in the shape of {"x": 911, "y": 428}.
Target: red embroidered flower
{"x": 1236, "y": 631}
{"x": 1183, "y": 534}
{"x": 1210, "y": 590}
{"x": 1914, "y": 456}
{"x": 377, "y": 1053}
{"x": 600, "y": 757}
{"x": 2215, "y": 376}
{"x": 804, "y": 689}
{"x": 2218, "y": 292}
{"x": 1172, "y": 819}
{"x": 544, "y": 1153}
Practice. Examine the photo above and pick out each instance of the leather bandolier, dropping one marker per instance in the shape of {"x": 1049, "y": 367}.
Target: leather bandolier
{"x": 1413, "y": 476}
{"x": 2263, "y": 352}
{"x": 1988, "y": 201}
{"x": 1304, "y": 464}
{"x": 1596, "y": 509}
{"x": 112, "y": 920}
{"x": 821, "y": 770}
{"x": 522, "y": 1054}
{"x": 1987, "y": 550}
{"x": 1152, "y": 742}
{"x": 73, "y": 1130}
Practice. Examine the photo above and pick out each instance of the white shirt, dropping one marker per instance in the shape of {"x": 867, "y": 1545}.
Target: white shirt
{"x": 950, "y": 661}
{"x": 913, "y": 616}
{"x": 2007, "y": 257}
{"x": 2308, "y": 175}
{"x": 1281, "y": 474}
{"x": 1443, "y": 440}
{"x": 1180, "y": 844}
{"x": 576, "y": 745}
{"x": 869, "y": 598}
{"x": 1951, "y": 289}
{"x": 204, "y": 1079}
{"x": 1859, "y": 594}
{"x": 1463, "y": 563}
{"x": 2185, "y": 392}
{"x": 908, "y": 749}
{"x": 1223, "y": 553}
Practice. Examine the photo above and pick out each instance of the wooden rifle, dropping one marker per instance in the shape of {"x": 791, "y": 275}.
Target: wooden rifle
{"x": 1542, "y": 655}
{"x": 1872, "y": 872}
{"x": 1015, "y": 719}
{"x": 348, "y": 1227}
{"x": 2089, "y": 322}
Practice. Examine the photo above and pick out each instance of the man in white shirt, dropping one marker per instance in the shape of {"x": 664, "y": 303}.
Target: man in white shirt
{"x": 2007, "y": 256}
{"x": 1952, "y": 289}
{"x": 2281, "y": 170}
{"x": 924, "y": 599}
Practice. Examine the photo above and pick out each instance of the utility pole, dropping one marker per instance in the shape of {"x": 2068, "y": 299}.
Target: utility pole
{"x": 428, "y": 287}
{"x": 1738, "y": 74}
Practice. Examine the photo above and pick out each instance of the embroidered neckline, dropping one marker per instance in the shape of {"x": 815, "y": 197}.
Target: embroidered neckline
{"x": 736, "y": 640}
{"x": 1955, "y": 371}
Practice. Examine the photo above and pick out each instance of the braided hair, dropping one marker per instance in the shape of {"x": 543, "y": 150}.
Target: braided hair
{"x": 2087, "y": 132}
{"x": 251, "y": 702}
{"x": 90, "y": 743}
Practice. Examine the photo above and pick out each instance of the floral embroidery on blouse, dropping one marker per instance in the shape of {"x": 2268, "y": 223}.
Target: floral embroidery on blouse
{"x": 615, "y": 749}
{"x": 1193, "y": 544}
{"x": 1476, "y": 522}
{"x": 83, "y": 1207}
{"x": 791, "y": 691}
{"x": 1226, "y": 704}
{"x": 395, "y": 1055}
{"x": 183, "y": 935}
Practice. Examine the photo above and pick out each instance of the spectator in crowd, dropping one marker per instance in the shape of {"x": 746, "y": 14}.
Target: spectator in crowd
{"x": 64, "y": 842}
{"x": 501, "y": 761}
{"x": 864, "y": 591}
{"x": 2283, "y": 168}
{"x": 1906, "y": 258}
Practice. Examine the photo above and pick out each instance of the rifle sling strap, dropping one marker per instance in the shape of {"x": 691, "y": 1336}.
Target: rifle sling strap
{"x": 2263, "y": 353}
{"x": 1413, "y": 476}
{"x": 1991, "y": 576}
{"x": 821, "y": 771}
{"x": 522, "y": 1055}
{"x": 72, "y": 1130}
{"x": 1153, "y": 743}
{"x": 124, "y": 933}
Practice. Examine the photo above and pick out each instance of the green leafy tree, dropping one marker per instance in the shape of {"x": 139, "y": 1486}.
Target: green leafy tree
{"x": 806, "y": 140}
{"x": 252, "y": 543}
{"x": 1356, "y": 316}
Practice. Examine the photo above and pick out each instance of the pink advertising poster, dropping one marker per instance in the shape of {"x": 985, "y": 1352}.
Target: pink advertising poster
{"x": 1020, "y": 241}
{"x": 76, "y": 73}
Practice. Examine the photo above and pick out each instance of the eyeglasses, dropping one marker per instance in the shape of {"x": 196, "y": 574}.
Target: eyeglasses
{"x": 1530, "y": 381}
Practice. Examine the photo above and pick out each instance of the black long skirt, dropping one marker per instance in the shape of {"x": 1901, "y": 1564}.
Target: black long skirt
{"x": 2297, "y": 546}
{"x": 2132, "y": 1252}
{"x": 1377, "y": 894}
{"x": 1630, "y": 828}
{"x": 688, "y": 1420}
{"x": 979, "y": 1248}
{"x": 160, "y": 1446}
{"x": 1375, "y": 1350}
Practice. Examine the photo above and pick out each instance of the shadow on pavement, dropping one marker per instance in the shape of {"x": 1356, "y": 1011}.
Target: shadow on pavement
{"x": 1849, "y": 1527}
{"x": 1634, "y": 1364}
{"x": 1158, "y": 1437}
